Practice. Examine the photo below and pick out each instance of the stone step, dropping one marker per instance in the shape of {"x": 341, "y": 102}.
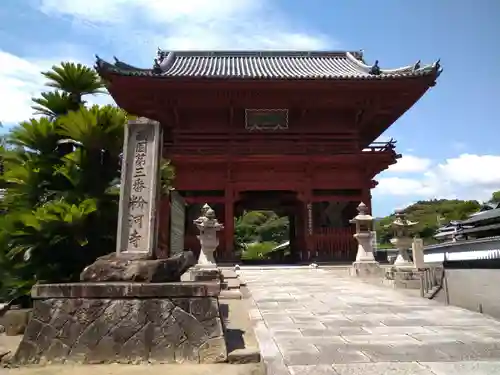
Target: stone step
{"x": 242, "y": 345}
{"x": 232, "y": 283}
{"x": 228, "y": 273}
{"x": 245, "y": 355}
{"x": 230, "y": 294}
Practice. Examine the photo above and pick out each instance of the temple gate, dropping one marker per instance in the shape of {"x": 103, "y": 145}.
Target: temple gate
{"x": 292, "y": 131}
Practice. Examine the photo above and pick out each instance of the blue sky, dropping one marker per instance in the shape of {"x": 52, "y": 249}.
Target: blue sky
{"x": 449, "y": 139}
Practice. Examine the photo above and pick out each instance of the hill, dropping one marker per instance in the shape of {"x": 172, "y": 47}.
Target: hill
{"x": 430, "y": 215}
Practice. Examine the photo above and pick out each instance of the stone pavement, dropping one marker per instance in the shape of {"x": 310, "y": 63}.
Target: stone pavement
{"x": 322, "y": 322}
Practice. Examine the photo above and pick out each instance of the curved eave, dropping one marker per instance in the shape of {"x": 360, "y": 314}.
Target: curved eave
{"x": 383, "y": 122}
{"x": 148, "y": 74}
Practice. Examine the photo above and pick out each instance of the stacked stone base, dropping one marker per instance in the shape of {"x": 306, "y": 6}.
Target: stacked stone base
{"x": 403, "y": 278}
{"x": 124, "y": 323}
{"x": 366, "y": 269}
{"x": 206, "y": 274}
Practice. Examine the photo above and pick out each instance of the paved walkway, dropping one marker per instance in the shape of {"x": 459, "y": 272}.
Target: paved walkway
{"x": 321, "y": 322}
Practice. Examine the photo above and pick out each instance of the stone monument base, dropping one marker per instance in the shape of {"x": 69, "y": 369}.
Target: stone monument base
{"x": 124, "y": 323}
{"x": 366, "y": 269}
{"x": 138, "y": 268}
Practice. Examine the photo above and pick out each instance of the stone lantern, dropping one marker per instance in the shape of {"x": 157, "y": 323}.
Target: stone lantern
{"x": 365, "y": 264}
{"x": 208, "y": 225}
{"x": 206, "y": 269}
{"x": 402, "y": 239}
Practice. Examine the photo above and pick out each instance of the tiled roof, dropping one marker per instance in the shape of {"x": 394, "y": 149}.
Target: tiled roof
{"x": 482, "y": 216}
{"x": 266, "y": 65}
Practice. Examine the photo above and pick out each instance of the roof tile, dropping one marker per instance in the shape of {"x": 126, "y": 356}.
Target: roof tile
{"x": 267, "y": 65}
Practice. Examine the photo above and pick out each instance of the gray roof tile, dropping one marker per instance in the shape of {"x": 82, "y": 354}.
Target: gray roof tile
{"x": 266, "y": 65}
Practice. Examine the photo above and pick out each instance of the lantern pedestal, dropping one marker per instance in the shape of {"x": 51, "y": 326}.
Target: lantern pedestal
{"x": 402, "y": 240}
{"x": 365, "y": 248}
{"x": 403, "y": 259}
{"x": 366, "y": 269}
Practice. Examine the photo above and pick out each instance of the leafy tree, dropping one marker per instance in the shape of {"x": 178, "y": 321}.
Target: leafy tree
{"x": 261, "y": 226}
{"x": 495, "y": 197}
{"x": 430, "y": 215}
{"x": 62, "y": 172}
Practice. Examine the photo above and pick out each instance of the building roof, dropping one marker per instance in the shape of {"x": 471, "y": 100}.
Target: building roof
{"x": 481, "y": 228}
{"x": 267, "y": 65}
{"x": 483, "y": 216}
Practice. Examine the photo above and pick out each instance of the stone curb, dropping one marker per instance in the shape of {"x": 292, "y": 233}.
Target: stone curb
{"x": 269, "y": 352}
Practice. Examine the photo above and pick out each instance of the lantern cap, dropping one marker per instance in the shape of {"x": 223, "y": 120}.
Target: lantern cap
{"x": 401, "y": 220}
{"x": 362, "y": 214}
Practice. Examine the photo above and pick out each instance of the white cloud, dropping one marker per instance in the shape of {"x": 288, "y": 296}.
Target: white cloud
{"x": 21, "y": 80}
{"x": 464, "y": 177}
{"x": 121, "y": 11}
{"x": 403, "y": 186}
{"x": 137, "y": 27}
{"x": 188, "y": 24}
{"x": 410, "y": 164}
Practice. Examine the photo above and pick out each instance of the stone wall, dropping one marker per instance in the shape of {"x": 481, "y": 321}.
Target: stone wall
{"x": 126, "y": 323}
{"x": 473, "y": 289}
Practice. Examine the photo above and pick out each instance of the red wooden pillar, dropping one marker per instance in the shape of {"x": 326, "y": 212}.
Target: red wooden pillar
{"x": 308, "y": 225}
{"x": 366, "y": 198}
{"x": 228, "y": 223}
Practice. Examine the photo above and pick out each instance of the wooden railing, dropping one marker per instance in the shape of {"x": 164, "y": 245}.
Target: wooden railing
{"x": 270, "y": 148}
{"x": 276, "y": 146}
{"x": 431, "y": 281}
{"x": 335, "y": 244}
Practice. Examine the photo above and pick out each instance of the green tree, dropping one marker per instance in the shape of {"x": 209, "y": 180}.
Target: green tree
{"x": 430, "y": 215}
{"x": 495, "y": 197}
{"x": 62, "y": 172}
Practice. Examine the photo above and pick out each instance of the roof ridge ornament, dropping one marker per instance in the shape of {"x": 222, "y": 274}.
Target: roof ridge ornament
{"x": 375, "y": 69}
{"x": 156, "y": 67}
{"x": 160, "y": 56}
{"x": 417, "y": 65}
{"x": 437, "y": 66}
{"x": 99, "y": 63}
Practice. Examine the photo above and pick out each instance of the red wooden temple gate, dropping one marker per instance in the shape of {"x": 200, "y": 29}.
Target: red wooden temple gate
{"x": 273, "y": 129}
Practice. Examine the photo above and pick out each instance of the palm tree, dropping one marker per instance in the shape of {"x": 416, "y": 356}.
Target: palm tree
{"x": 54, "y": 104}
{"x": 61, "y": 212}
{"x": 75, "y": 79}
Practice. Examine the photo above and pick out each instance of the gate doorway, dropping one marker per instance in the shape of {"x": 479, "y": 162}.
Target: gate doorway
{"x": 266, "y": 227}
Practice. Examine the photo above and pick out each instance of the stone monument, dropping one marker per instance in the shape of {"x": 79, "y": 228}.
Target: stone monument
{"x": 402, "y": 239}
{"x": 365, "y": 264}
{"x": 129, "y": 307}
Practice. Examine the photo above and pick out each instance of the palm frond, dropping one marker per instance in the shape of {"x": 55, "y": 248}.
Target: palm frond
{"x": 75, "y": 79}
{"x": 54, "y": 104}
{"x": 39, "y": 135}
